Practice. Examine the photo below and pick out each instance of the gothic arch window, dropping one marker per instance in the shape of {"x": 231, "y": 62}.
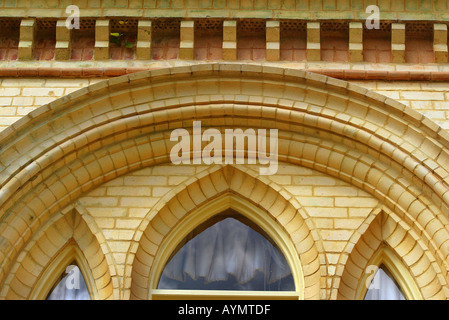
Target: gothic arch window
{"x": 67, "y": 277}
{"x": 227, "y": 249}
{"x": 384, "y": 286}
{"x": 228, "y": 252}
{"x": 70, "y": 285}
{"x": 387, "y": 278}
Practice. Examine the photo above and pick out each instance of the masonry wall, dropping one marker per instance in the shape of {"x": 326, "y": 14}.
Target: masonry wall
{"x": 336, "y": 208}
{"x": 19, "y": 96}
{"x": 335, "y": 212}
{"x": 40, "y": 61}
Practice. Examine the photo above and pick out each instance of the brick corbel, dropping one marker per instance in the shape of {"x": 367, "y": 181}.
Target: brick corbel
{"x": 26, "y": 40}
{"x": 143, "y": 48}
{"x": 355, "y": 42}
{"x": 398, "y": 42}
{"x": 186, "y": 49}
{"x": 313, "y": 41}
{"x": 273, "y": 45}
{"x": 440, "y": 43}
{"x": 102, "y": 38}
{"x": 230, "y": 40}
{"x": 62, "y": 50}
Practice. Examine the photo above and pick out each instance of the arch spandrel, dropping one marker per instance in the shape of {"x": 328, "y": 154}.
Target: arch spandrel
{"x": 57, "y": 152}
{"x": 65, "y": 240}
{"x": 391, "y": 242}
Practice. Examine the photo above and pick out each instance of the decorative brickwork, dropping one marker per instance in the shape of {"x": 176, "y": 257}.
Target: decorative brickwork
{"x": 347, "y": 153}
{"x": 363, "y": 140}
{"x": 254, "y": 39}
{"x": 46, "y": 245}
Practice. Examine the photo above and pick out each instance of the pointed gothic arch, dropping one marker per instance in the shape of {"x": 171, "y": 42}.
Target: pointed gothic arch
{"x": 51, "y": 251}
{"x": 227, "y": 188}
{"x": 385, "y": 257}
{"x": 208, "y": 211}
{"x": 58, "y": 266}
{"x": 389, "y": 241}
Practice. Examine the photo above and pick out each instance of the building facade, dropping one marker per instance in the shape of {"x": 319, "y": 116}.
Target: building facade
{"x": 91, "y": 92}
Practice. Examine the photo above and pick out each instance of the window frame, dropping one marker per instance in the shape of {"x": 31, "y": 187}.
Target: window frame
{"x": 53, "y": 271}
{"x": 401, "y": 275}
{"x": 164, "y": 294}
{"x": 257, "y": 216}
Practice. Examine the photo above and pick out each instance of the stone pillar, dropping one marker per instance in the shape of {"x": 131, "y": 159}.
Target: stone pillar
{"x": 313, "y": 41}
{"x": 355, "y": 42}
{"x": 187, "y": 40}
{"x": 398, "y": 42}
{"x": 102, "y": 39}
{"x": 62, "y": 50}
{"x": 440, "y": 43}
{"x": 230, "y": 40}
{"x": 273, "y": 35}
{"x": 26, "y": 41}
{"x": 143, "y": 48}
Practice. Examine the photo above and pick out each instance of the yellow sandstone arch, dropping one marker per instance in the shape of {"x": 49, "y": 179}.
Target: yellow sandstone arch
{"x": 63, "y": 149}
{"x": 390, "y": 241}
{"x": 66, "y": 239}
{"x": 228, "y": 188}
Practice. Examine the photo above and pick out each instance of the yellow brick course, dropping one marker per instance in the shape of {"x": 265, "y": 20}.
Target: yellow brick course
{"x": 18, "y": 97}
{"x": 428, "y": 98}
{"x": 393, "y": 10}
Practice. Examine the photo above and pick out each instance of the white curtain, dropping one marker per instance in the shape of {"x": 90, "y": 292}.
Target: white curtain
{"x": 71, "y": 287}
{"x": 228, "y": 249}
{"x": 383, "y": 288}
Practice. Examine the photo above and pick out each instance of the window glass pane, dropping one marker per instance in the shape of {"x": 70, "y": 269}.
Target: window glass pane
{"x": 229, "y": 255}
{"x": 71, "y": 287}
{"x": 383, "y": 287}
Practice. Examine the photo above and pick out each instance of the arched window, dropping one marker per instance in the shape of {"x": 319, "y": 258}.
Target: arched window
{"x": 387, "y": 278}
{"x": 228, "y": 254}
{"x": 67, "y": 277}
{"x": 384, "y": 287}
{"x": 70, "y": 285}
